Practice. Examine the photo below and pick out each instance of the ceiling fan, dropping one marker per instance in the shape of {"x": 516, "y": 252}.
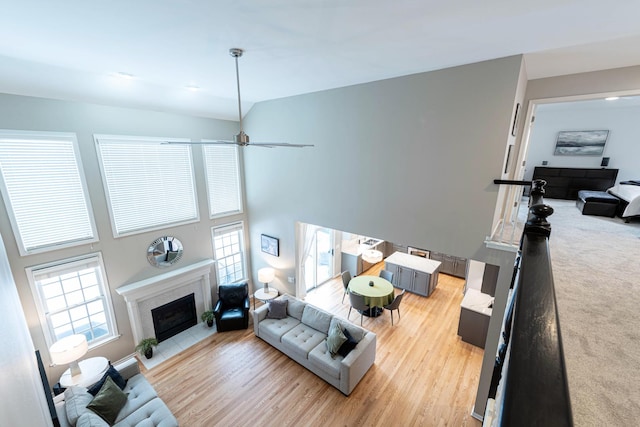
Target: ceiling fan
{"x": 241, "y": 139}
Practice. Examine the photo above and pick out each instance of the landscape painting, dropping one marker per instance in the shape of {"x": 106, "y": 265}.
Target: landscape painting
{"x": 581, "y": 142}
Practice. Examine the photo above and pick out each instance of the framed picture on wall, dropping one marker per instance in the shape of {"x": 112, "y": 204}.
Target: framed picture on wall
{"x": 581, "y": 142}
{"x": 270, "y": 245}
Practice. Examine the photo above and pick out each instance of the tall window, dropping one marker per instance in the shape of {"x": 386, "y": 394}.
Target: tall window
{"x": 44, "y": 190}
{"x": 149, "y": 185}
{"x": 73, "y": 298}
{"x": 228, "y": 249}
{"x": 223, "y": 179}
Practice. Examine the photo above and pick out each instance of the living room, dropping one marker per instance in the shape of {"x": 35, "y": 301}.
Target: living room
{"x": 405, "y": 169}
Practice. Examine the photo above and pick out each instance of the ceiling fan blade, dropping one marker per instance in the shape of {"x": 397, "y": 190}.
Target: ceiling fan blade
{"x": 221, "y": 142}
{"x": 278, "y": 144}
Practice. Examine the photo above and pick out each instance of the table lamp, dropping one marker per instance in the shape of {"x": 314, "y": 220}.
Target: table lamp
{"x": 266, "y": 275}
{"x": 69, "y": 350}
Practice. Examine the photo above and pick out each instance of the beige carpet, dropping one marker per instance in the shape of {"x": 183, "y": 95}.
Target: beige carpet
{"x": 596, "y": 266}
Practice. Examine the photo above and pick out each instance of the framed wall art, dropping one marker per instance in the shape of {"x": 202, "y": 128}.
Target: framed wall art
{"x": 270, "y": 245}
{"x": 581, "y": 142}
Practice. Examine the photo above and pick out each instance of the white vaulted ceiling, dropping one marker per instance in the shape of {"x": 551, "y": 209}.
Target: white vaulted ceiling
{"x": 72, "y": 49}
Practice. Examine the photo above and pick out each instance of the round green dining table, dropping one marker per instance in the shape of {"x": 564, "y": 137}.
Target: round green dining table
{"x": 378, "y": 295}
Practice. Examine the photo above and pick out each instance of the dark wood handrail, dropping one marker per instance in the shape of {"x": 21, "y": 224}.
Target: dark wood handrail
{"x": 530, "y": 362}
{"x": 511, "y": 182}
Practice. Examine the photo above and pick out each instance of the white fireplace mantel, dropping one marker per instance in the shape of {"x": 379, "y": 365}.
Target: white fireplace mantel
{"x": 144, "y": 290}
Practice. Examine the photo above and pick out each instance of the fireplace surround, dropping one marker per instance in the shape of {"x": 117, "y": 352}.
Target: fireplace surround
{"x": 147, "y": 294}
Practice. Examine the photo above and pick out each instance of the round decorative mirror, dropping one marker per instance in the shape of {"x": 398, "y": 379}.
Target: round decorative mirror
{"x": 164, "y": 251}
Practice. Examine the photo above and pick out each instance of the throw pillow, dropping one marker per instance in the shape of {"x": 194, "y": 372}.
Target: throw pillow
{"x": 348, "y": 345}
{"x": 114, "y": 375}
{"x": 108, "y": 402}
{"x": 277, "y": 309}
{"x": 335, "y": 339}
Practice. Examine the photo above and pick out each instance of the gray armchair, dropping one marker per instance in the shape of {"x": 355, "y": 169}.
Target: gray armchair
{"x": 232, "y": 309}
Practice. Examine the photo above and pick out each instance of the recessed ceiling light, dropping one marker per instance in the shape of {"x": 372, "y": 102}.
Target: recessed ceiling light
{"x": 612, "y": 98}
{"x": 193, "y": 88}
{"x": 125, "y": 76}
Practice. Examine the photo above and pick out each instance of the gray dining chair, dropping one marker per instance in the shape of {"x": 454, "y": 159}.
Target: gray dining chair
{"x": 346, "y": 278}
{"x": 387, "y": 275}
{"x": 395, "y": 305}
{"x": 357, "y": 302}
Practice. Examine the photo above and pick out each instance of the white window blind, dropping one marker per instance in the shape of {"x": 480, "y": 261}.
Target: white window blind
{"x": 72, "y": 298}
{"x": 44, "y": 190}
{"x": 223, "y": 179}
{"x": 149, "y": 185}
{"x": 228, "y": 249}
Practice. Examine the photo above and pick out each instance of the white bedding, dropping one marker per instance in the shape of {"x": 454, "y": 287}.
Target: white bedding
{"x": 630, "y": 194}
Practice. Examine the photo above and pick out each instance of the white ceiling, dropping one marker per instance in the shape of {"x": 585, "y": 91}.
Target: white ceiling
{"x": 71, "y": 49}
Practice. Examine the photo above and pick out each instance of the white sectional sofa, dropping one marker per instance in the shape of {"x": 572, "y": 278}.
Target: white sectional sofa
{"x": 302, "y": 335}
{"x": 143, "y": 407}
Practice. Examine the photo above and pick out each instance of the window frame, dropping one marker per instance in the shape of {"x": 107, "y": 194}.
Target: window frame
{"x": 39, "y": 298}
{"x": 243, "y": 249}
{"x": 143, "y": 140}
{"x": 61, "y": 136}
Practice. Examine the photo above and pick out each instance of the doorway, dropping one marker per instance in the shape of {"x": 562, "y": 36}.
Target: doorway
{"x": 319, "y": 262}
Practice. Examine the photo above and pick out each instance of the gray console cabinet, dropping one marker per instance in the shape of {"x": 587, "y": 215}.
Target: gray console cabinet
{"x": 452, "y": 265}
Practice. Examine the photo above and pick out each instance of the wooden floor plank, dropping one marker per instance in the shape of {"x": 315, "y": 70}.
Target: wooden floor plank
{"x": 423, "y": 375}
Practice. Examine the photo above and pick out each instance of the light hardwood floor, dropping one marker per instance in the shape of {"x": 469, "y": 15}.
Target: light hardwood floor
{"x": 423, "y": 373}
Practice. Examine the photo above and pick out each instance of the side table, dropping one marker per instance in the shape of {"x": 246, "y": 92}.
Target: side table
{"x": 92, "y": 369}
{"x": 263, "y": 296}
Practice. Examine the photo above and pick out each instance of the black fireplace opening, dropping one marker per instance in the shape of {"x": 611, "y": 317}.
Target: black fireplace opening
{"x": 174, "y": 317}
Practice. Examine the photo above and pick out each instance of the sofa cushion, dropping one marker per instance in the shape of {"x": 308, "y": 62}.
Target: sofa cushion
{"x": 152, "y": 414}
{"x": 91, "y": 419}
{"x": 76, "y": 401}
{"x": 302, "y": 339}
{"x": 295, "y": 307}
{"x": 316, "y": 318}
{"x": 321, "y": 360}
{"x": 277, "y": 309}
{"x": 274, "y": 329}
{"x": 335, "y": 339}
{"x": 108, "y": 402}
{"x": 140, "y": 392}
{"x": 114, "y": 375}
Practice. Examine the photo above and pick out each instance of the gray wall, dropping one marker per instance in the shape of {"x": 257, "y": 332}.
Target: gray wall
{"x": 409, "y": 160}
{"x": 124, "y": 258}
{"x": 622, "y": 145}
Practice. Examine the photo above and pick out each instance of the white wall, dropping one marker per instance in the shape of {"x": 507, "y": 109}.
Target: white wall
{"x": 22, "y": 398}
{"x": 622, "y": 145}
{"x": 124, "y": 258}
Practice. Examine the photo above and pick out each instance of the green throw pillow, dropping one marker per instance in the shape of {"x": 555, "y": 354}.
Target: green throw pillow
{"x": 109, "y": 401}
{"x": 335, "y": 339}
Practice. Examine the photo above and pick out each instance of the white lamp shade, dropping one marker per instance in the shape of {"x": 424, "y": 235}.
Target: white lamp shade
{"x": 266, "y": 275}
{"x": 68, "y": 349}
{"x": 372, "y": 256}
